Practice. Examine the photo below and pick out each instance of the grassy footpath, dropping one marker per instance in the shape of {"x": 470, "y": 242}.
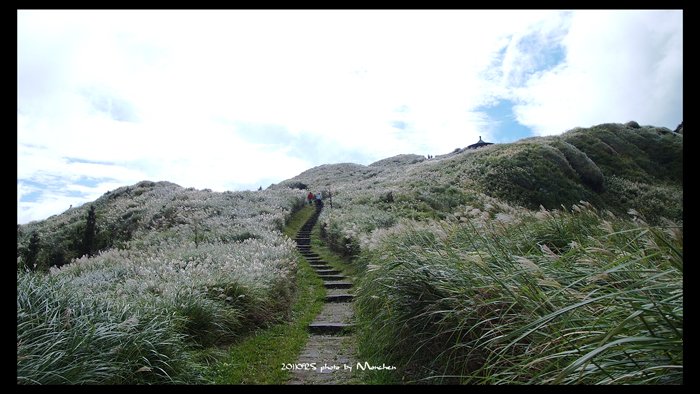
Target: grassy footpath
{"x": 259, "y": 358}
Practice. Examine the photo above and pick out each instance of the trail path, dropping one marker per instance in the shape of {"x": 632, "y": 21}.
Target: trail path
{"x": 331, "y": 344}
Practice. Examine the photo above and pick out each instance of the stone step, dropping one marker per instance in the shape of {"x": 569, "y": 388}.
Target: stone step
{"x": 337, "y": 285}
{"x": 331, "y": 276}
{"x": 332, "y": 292}
{"x": 327, "y": 271}
{"x": 323, "y": 267}
{"x": 330, "y": 328}
{"x": 339, "y": 298}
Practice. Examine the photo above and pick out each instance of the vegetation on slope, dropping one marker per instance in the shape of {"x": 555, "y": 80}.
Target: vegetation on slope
{"x": 546, "y": 298}
{"x": 614, "y": 167}
{"x": 473, "y": 267}
{"x": 258, "y": 358}
{"x": 190, "y": 269}
{"x": 549, "y": 260}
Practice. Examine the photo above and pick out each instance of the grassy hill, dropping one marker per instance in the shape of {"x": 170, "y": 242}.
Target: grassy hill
{"x": 549, "y": 260}
{"x": 612, "y": 166}
{"x": 173, "y": 270}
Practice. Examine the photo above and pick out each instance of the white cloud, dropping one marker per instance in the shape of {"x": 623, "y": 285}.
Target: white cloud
{"x": 619, "y": 66}
{"x": 174, "y": 95}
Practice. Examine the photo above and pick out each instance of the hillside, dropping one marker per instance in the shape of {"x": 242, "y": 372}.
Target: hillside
{"x": 548, "y": 260}
{"x": 172, "y": 270}
{"x": 535, "y": 262}
{"x": 613, "y": 166}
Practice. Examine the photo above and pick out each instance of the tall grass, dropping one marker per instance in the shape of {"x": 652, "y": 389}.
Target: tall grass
{"x": 201, "y": 269}
{"x": 542, "y": 298}
{"x": 63, "y": 338}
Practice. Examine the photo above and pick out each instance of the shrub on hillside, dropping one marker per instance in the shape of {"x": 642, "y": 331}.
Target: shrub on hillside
{"x": 585, "y": 167}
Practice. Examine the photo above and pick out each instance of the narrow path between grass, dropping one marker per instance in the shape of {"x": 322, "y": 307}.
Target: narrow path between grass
{"x": 329, "y": 355}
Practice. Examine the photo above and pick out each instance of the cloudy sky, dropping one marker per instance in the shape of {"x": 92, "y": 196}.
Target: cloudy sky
{"x": 234, "y": 100}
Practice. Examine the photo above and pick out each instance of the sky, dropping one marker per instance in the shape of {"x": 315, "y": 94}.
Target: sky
{"x": 238, "y": 99}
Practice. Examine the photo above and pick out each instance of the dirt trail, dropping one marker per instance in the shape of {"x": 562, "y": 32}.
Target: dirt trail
{"x": 329, "y": 355}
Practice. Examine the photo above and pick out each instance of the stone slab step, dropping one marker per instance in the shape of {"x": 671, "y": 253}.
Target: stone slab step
{"x": 330, "y": 328}
{"x": 327, "y": 272}
{"x": 337, "y": 285}
{"x": 339, "y": 298}
{"x": 332, "y": 277}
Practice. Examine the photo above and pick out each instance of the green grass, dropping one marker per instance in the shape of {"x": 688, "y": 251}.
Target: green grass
{"x": 297, "y": 220}
{"x": 346, "y": 264}
{"x": 259, "y": 358}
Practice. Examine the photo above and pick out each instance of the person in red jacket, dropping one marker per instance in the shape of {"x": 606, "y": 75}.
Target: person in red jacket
{"x": 310, "y": 197}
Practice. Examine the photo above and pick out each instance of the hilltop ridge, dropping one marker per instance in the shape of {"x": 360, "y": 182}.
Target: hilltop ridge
{"x": 613, "y": 166}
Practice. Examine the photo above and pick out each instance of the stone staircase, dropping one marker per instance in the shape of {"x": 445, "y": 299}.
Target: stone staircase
{"x": 331, "y": 339}
{"x": 338, "y": 319}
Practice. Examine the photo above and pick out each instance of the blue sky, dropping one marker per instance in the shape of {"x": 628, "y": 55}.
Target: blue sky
{"x": 233, "y": 100}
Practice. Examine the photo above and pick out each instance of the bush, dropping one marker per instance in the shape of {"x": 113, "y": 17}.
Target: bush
{"x": 298, "y": 185}
{"x": 585, "y": 167}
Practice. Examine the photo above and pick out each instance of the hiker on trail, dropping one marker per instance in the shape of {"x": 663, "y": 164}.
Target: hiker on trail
{"x": 318, "y": 199}
{"x": 310, "y": 197}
